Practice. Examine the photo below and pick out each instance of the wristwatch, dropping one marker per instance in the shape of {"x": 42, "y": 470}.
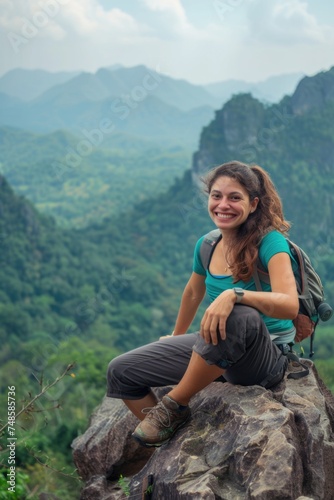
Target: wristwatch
{"x": 239, "y": 292}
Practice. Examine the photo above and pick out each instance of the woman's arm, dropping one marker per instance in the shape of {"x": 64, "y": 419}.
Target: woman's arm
{"x": 192, "y": 296}
{"x": 281, "y": 302}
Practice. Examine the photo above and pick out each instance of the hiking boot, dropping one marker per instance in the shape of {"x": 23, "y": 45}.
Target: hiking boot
{"x": 161, "y": 422}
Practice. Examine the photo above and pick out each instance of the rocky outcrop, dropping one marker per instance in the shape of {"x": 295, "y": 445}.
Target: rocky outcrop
{"x": 241, "y": 443}
{"x": 248, "y": 130}
{"x": 313, "y": 93}
{"x": 235, "y": 126}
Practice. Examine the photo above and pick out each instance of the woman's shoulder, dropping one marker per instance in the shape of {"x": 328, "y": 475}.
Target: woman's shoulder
{"x": 273, "y": 236}
{"x": 272, "y": 243}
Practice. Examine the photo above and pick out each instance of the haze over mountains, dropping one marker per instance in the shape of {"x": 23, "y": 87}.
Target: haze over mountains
{"x": 161, "y": 108}
{"x": 104, "y": 146}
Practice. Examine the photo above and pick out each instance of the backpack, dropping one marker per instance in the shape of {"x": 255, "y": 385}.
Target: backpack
{"x": 312, "y": 305}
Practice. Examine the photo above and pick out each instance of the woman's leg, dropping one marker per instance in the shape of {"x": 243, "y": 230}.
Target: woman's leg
{"x": 136, "y": 406}
{"x": 172, "y": 412}
{"x": 132, "y": 375}
{"x": 247, "y": 356}
{"x": 248, "y": 353}
{"x": 197, "y": 376}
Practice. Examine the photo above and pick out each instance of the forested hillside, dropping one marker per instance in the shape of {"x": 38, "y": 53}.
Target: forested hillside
{"x": 82, "y": 296}
{"x": 80, "y": 189}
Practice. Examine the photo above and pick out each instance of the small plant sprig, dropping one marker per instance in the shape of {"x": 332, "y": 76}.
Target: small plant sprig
{"x": 29, "y": 407}
{"x": 124, "y": 484}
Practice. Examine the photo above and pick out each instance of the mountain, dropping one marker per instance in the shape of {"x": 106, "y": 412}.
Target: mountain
{"x": 27, "y": 84}
{"x": 136, "y": 101}
{"x": 116, "y": 80}
{"x": 136, "y": 82}
{"x": 149, "y": 119}
{"x": 294, "y": 141}
{"x": 272, "y": 89}
{"x": 81, "y": 178}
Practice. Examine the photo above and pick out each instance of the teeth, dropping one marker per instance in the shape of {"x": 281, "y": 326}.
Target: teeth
{"x": 225, "y": 216}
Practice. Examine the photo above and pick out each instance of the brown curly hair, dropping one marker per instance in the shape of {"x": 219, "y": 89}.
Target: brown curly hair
{"x": 242, "y": 250}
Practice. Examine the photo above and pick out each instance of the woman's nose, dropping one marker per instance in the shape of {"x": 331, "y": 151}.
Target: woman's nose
{"x": 223, "y": 202}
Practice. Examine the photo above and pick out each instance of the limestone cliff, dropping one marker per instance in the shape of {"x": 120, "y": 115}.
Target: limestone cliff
{"x": 313, "y": 92}
{"x": 241, "y": 443}
{"x": 249, "y": 130}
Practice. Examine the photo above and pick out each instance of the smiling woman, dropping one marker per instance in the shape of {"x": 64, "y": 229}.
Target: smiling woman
{"x": 243, "y": 332}
{"x": 229, "y": 206}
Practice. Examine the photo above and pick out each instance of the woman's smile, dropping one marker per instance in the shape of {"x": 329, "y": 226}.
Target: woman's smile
{"x": 224, "y": 216}
{"x": 229, "y": 204}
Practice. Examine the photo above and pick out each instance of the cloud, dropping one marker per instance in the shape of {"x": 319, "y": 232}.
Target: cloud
{"x": 284, "y": 22}
{"x": 173, "y": 6}
{"x": 170, "y": 20}
{"x": 185, "y": 39}
{"x": 52, "y": 17}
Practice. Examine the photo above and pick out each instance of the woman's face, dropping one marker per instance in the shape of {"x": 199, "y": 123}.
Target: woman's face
{"x": 229, "y": 204}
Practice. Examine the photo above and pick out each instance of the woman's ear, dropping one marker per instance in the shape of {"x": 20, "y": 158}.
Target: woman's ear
{"x": 254, "y": 204}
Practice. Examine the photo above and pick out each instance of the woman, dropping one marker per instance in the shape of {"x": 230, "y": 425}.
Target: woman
{"x": 242, "y": 332}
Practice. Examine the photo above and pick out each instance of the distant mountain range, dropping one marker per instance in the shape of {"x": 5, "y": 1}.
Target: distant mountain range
{"x": 137, "y": 101}
{"x": 28, "y": 84}
{"x": 271, "y": 89}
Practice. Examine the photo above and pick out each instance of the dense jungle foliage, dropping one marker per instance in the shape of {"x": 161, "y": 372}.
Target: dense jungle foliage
{"x": 80, "y": 189}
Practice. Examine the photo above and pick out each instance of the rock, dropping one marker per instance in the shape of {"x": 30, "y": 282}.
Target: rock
{"x": 237, "y": 126}
{"x": 313, "y": 93}
{"x": 241, "y": 443}
{"x": 107, "y": 445}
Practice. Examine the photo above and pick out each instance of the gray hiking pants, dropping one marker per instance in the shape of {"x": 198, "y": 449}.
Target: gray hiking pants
{"x": 248, "y": 355}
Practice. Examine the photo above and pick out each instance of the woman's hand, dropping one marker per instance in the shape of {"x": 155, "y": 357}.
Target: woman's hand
{"x": 214, "y": 318}
{"x": 166, "y": 336}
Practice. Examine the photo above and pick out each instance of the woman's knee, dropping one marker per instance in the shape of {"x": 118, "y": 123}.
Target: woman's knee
{"x": 244, "y": 318}
{"x": 114, "y": 373}
{"x": 242, "y": 328}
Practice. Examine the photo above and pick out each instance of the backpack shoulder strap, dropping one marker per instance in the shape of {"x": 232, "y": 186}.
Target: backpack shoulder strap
{"x": 258, "y": 272}
{"x": 209, "y": 241}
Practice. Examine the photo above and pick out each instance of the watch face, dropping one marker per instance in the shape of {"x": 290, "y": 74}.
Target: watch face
{"x": 239, "y": 293}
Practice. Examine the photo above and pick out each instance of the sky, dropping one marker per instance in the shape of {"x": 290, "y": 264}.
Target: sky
{"x": 202, "y": 41}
